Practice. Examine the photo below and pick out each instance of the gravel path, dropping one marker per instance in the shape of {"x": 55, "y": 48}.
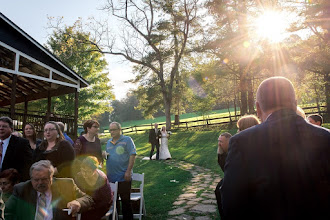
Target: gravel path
{"x": 198, "y": 200}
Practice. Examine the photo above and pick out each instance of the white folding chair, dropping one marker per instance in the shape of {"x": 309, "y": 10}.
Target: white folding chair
{"x": 136, "y": 196}
{"x": 113, "y": 208}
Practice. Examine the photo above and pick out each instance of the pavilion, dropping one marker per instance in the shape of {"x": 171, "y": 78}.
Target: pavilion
{"x": 29, "y": 72}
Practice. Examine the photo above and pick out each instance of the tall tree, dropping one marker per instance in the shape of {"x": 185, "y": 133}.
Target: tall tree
{"x": 95, "y": 99}
{"x": 155, "y": 37}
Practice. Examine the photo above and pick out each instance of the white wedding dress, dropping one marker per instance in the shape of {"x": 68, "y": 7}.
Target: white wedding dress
{"x": 164, "y": 153}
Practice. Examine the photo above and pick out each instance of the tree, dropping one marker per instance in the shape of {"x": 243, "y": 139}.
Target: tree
{"x": 95, "y": 99}
{"x": 155, "y": 37}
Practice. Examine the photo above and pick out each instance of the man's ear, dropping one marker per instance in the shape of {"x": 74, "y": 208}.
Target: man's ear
{"x": 259, "y": 112}
{"x": 318, "y": 123}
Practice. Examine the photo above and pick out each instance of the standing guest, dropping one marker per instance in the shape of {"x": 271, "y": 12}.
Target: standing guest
{"x": 247, "y": 121}
{"x": 278, "y": 169}
{"x": 122, "y": 152}
{"x": 223, "y": 142}
{"x": 15, "y": 152}
{"x": 55, "y": 149}
{"x": 154, "y": 135}
{"x": 30, "y": 133}
{"x": 94, "y": 183}
{"x": 8, "y": 178}
{"x": 89, "y": 144}
{"x": 61, "y": 125}
{"x": 315, "y": 119}
{"x": 45, "y": 197}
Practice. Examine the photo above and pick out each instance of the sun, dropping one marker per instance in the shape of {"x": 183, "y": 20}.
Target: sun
{"x": 272, "y": 26}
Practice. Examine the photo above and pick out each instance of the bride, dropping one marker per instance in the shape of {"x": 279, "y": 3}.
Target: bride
{"x": 164, "y": 153}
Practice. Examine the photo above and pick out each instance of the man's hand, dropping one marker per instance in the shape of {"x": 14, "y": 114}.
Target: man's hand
{"x": 127, "y": 176}
{"x": 74, "y": 206}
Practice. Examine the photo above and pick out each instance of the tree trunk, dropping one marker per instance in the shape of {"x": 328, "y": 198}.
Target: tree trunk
{"x": 243, "y": 89}
{"x": 250, "y": 96}
{"x": 167, "y": 105}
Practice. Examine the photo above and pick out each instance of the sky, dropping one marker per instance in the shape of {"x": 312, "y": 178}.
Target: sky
{"x": 31, "y": 16}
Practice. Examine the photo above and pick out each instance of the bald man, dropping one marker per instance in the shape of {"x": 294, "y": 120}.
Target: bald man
{"x": 278, "y": 169}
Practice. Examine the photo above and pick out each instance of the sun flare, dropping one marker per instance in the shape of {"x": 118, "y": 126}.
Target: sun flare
{"x": 272, "y": 25}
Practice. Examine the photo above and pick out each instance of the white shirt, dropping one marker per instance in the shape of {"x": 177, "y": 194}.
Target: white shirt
{"x": 49, "y": 208}
{"x": 5, "y": 146}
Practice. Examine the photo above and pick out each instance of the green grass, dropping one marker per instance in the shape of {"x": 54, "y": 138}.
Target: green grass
{"x": 159, "y": 191}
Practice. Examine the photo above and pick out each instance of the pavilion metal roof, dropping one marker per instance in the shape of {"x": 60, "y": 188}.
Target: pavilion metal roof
{"x": 39, "y": 72}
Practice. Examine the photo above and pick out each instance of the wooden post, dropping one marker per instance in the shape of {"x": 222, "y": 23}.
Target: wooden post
{"x": 76, "y": 105}
{"x": 13, "y": 97}
{"x": 25, "y": 112}
{"x": 49, "y": 103}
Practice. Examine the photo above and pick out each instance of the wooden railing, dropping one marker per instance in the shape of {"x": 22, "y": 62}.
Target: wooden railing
{"x": 208, "y": 122}
{"x": 38, "y": 119}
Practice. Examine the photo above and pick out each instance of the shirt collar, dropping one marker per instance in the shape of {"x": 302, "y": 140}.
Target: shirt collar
{"x": 6, "y": 141}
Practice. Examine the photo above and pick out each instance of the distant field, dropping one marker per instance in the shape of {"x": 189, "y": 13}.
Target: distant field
{"x": 183, "y": 118}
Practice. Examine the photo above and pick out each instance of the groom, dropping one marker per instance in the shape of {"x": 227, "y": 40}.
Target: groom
{"x": 154, "y": 135}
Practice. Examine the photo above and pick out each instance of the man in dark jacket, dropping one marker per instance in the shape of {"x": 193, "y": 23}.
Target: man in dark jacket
{"x": 278, "y": 169}
{"x": 15, "y": 151}
{"x": 45, "y": 197}
{"x": 154, "y": 135}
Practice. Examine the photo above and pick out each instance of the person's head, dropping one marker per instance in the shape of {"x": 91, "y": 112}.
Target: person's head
{"x": 115, "y": 129}
{"x": 156, "y": 125}
{"x": 41, "y": 174}
{"x": 89, "y": 166}
{"x": 61, "y": 125}
{"x": 91, "y": 127}
{"x": 17, "y": 134}
{"x": 52, "y": 132}
{"x": 247, "y": 121}
{"x": 163, "y": 128}
{"x": 30, "y": 132}
{"x": 8, "y": 178}
{"x": 6, "y": 127}
{"x": 273, "y": 94}
{"x": 301, "y": 112}
{"x": 315, "y": 119}
{"x": 223, "y": 141}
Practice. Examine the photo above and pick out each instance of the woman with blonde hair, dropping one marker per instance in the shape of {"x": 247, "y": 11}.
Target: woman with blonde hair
{"x": 247, "y": 121}
{"x": 56, "y": 149}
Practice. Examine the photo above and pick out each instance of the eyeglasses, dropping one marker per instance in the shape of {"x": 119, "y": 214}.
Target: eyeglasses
{"x": 50, "y": 129}
{"x": 113, "y": 129}
{"x": 41, "y": 180}
{"x": 95, "y": 126}
{"x": 4, "y": 126}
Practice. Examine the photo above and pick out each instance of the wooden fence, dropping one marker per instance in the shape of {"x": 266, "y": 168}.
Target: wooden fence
{"x": 208, "y": 122}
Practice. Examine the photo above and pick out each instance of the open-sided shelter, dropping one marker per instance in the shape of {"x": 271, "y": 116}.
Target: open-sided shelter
{"x": 28, "y": 72}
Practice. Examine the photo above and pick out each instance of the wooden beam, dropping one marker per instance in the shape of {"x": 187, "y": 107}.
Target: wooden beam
{"x": 13, "y": 97}
{"x": 60, "y": 91}
{"x": 76, "y": 105}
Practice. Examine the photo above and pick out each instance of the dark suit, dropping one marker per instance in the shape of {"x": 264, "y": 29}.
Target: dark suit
{"x": 278, "y": 170}
{"x": 154, "y": 140}
{"x": 22, "y": 204}
{"x": 19, "y": 156}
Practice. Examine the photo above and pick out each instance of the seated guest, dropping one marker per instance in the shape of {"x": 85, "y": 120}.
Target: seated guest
{"x": 247, "y": 121}
{"x": 55, "y": 149}
{"x": 61, "y": 125}
{"x": 16, "y": 152}
{"x": 95, "y": 183}
{"x": 8, "y": 178}
{"x": 30, "y": 133}
{"x": 17, "y": 134}
{"x": 89, "y": 144}
{"x": 45, "y": 197}
{"x": 315, "y": 119}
